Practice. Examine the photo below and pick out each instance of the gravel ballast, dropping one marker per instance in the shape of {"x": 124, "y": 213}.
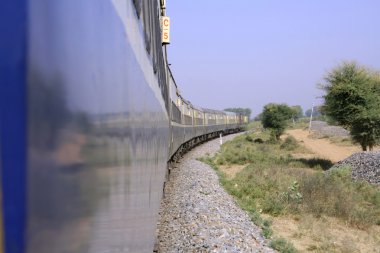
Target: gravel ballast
{"x": 197, "y": 215}
{"x": 364, "y": 165}
{"x": 322, "y": 129}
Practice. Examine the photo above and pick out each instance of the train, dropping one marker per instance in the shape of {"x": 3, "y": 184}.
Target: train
{"x": 90, "y": 119}
{"x": 191, "y": 125}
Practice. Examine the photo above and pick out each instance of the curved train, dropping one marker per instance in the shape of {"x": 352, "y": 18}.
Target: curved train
{"x": 191, "y": 125}
{"x": 90, "y": 117}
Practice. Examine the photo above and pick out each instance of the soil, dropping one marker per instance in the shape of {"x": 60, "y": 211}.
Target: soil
{"x": 326, "y": 234}
{"x": 323, "y": 147}
{"x": 231, "y": 170}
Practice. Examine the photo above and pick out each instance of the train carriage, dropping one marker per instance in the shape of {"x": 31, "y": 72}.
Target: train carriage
{"x": 199, "y": 125}
{"x": 90, "y": 117}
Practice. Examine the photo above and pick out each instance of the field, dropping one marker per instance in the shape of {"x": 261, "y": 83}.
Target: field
{"x": 284, "y": 187}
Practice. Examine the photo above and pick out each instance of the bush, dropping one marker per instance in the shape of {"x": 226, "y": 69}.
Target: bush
{"x": 336, "y": 194}
{"x": 274, "y": 117}
{"x": 282, "y": 245}
{"x": 248, "y": 138}
{"x": 290, "y": 143}
{"x": 277, "y": 183}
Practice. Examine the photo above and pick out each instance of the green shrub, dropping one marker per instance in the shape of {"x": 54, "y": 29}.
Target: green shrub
{"x": 248, "y": 138}
{"x": 282, "y": 245}
{"x": 274, "y": 118}
{"x": 267, "y": 230}
{"x": 274, "y": 182}
{"x": 336, "y": 194}
{"x": 290, "y": 143}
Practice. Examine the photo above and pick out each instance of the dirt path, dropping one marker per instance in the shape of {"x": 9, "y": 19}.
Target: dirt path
{"x": 323, "y": 147}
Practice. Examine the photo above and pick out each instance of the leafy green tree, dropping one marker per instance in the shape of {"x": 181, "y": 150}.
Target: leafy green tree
{"x": 316, "y": 112}
{"x": 258, "y": 117}
{"x": 353, "y": 100}
{"x": 275, "y": 117}
{"x": 297, "y": 113}
{"x": 244, "y": 111}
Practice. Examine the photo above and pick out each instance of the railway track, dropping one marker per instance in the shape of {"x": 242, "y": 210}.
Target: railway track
{"x": 197, "y": 215}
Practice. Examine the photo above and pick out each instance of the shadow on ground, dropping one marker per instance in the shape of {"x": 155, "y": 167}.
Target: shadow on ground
{"x": 316, "y": 163}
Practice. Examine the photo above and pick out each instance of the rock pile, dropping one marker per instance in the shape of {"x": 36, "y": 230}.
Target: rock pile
{"x": 365, "y": 166}
{"x": 322, "y": 129}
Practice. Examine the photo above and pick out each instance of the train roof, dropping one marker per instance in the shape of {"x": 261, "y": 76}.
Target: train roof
{"x": 187, "y": 102}
{"x": 231, "y": 113}
{"x": 197, "y": 108}
{"x": 213, "y": 111}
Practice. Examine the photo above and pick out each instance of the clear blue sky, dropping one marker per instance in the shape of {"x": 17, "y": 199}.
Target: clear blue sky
{"x": 249, "y": 53}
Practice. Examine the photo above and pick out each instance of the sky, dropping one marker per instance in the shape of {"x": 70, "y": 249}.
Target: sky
{"x": 248, "y": 53}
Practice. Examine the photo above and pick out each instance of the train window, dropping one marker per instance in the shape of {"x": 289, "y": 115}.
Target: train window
{"x": 149, "y": 13}
{"x": 198, "y": 117}
{"x": 187, "y": 116}
{"x": 147, "y": 26}
{"x": 137, "y": 4}
{"x": 176, "y": 114}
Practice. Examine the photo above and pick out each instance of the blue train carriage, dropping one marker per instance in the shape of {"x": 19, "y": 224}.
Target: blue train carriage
{"x": 84, "y": 131}
{"x": 210, "y": 120}
{"x": 177, "y": 130}
{"x": 188, "y": 116}
{"x": 183, "y": 129}
{"x": 183, "y": 134}
{"x": 90, "y": 115}
{"x": 199, "y": 121}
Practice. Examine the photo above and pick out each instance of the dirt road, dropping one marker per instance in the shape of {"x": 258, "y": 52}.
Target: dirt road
{"x": 323, "y": 147}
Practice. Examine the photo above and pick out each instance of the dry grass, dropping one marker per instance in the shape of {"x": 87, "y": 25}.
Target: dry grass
{"x": 231, "y": 170}
{"x": 325, "y": 234}
{"x": 337, "y": 140}
{"x": 320, "y": 212}
{"x": 342, "y": 141}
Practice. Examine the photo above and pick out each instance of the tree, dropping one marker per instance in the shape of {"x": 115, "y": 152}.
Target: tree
{"x": 297, "y": 113}
{"x": 258, "y": 117}
{"x": 275, "y": 117}
{"x": 353, "y": 100}
{"x": 316, "y": 112}
{"x": 243, "y": 111}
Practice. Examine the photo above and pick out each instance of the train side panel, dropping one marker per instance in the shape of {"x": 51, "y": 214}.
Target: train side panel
{"x": 97, "y": 128}
{"x": 177, "y": 130}
{"x": 87, "y": 119}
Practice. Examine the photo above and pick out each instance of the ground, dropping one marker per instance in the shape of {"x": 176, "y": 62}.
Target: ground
{"x": 323, "y": 148}
{"x": 327, "y": 233}
{"x": 319, "y": 234}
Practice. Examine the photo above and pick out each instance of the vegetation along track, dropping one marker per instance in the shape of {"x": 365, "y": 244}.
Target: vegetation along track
{"x": 197, "y": 215}
{"x": 285, "y": 190}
